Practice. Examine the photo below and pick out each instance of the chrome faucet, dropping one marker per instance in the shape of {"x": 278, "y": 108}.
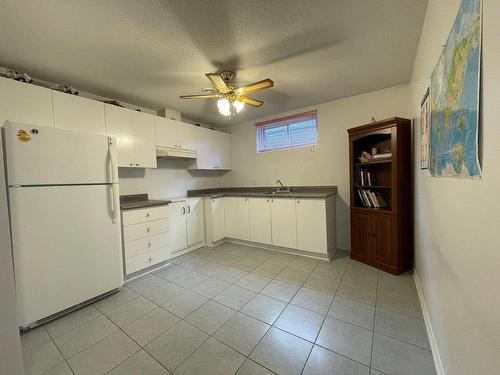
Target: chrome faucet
{"x": 282, "y": 188}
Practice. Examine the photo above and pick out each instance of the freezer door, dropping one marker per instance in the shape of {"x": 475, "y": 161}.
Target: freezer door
{"x": 48, "y": 156}
{"x": 66, "y": 247}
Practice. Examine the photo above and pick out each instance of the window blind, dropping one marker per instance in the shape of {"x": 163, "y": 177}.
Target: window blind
{"x": 287, "y": 132}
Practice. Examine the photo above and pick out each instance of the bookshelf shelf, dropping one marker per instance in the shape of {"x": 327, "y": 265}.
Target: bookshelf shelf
{"x": 381, "y": 195}
{"x": 389, "y": 161}
{"x": 373, "y": 187}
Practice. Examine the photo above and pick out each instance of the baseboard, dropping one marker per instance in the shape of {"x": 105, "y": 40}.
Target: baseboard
{"x": 430, "y": 332}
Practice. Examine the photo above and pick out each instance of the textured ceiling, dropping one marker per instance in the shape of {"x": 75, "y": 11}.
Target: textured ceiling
{"x": 150, "y": 52}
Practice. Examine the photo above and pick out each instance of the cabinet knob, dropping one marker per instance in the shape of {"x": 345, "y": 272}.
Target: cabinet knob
{"x": 136, "y": 164}
{"x": 148, "y": 230}
{"x": 272, "y": 200}
{"x": 298, "y": 201}
{"x": 147, "y": 214}
{"x": 131, "y": 164}
{"x": 267, "y": 200}
{"x": 149, "y": 260}
{"x": 149, "y": 244}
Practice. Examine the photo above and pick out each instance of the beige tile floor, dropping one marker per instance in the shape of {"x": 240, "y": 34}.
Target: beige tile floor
{"x": 236, "y": 309}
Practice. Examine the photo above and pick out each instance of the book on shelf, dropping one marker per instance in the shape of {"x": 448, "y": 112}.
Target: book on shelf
{"x": 365, "y": 178}
{"x": 372, "y": 199}
{"x": 384, "y": 156}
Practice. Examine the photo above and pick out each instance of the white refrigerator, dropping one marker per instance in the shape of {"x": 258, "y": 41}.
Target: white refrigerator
{"x": 64, "y": 215}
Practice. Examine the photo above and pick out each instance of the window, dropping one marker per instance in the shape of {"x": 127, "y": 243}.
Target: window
{"x": 287, "y": 132}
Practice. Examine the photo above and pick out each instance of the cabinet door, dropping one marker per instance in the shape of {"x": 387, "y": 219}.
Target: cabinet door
{"x": 25, "y": 103}
{"x": 311, "y": 225}
{"x": 76, "y": 113}
{"x": 259, "y": 210}
{"x": 382, "y": 249}
{"x": 177, "y": 222}
{"x": 284, "y": 223}
{"x": 218, "y": 219}
{"x": 243, "y": 219}
{"x": 166, "y": 132}
{"x": 144, "y": 140}
{"x": 186, "y": 134}
{"x": 206, "y": 148}
{"x": 195, "y": 222}
{"x": 361, "y": 234}
{"x": 231, "y": 216}
{"x": 119, "y": 124}
{"x": 224, "y": 150}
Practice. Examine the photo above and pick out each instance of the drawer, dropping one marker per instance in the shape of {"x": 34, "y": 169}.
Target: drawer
{"x": 141, "y": 215}
{"x": 151, "y": 228}
{"x": 142, "y": 245}
{"x": 145, "y": 260}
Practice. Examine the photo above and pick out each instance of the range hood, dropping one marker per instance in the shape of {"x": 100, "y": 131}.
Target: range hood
{"x": 175, "y": 153}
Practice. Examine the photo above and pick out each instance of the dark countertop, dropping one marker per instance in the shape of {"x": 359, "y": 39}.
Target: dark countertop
{"x": 296, "y": 192}
{"x": 129, "y": 202}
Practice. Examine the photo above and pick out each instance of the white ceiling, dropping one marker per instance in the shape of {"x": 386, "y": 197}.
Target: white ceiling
{"x": 150, "y": 52}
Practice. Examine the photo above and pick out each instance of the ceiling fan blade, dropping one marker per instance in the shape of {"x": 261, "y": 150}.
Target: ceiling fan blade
{"x": 259, "y": 85}
{"x": 205, "y": 96}
{"x": 218, "y": 83}
{"x": 250, "y": 101}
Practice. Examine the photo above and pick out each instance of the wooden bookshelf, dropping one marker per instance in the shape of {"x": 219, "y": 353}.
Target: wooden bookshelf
{"x": 381, "y": 212}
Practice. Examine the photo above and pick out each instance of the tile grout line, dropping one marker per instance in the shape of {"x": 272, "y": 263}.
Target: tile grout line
{"x": 324, "y": 319}
{"x": 374, "y": 319}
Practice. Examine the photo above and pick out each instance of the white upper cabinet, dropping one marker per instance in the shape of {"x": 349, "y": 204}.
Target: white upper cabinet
{"x": 231, "y": 217}
{"x": 25, "y": 103}
{"x": 283, "y": 223}
{"x": 195, "y": 221}
{"x": 134, "y": 132}
{"x": 175, "y": 134}
{"x": 186, "y": 136}
{"x": 143, "y": 130}
{"x": 243, "y": 219}
{"x": 311, "y": 225}
{"x": 73, "y": 112}
{"x": 166, "y": 132}
{"x": 214, "y": 149}
{"x": 119, "y": 124}
{"x": 260, "y": 220}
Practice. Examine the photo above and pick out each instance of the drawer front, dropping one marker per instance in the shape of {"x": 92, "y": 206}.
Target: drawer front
{"x": 136, "y": 231}
{"x": 142, "y": 215}
{"x": 147, "y": 259}
{"x": 142, "y": 245}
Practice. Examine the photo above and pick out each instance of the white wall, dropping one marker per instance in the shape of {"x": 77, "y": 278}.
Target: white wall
{"x": 457, "y": 232}
{"x": 10, "y": 345}
{"x": 325, "y": 164}
{"x": 169, "y": 180}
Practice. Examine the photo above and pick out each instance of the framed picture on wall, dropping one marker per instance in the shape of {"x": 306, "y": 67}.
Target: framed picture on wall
{"x": 424, "y": 130}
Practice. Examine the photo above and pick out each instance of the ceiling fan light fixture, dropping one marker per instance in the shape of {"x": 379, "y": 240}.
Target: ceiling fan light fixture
{"x": 224, "y": 107}
{"x": 238, "y": 106}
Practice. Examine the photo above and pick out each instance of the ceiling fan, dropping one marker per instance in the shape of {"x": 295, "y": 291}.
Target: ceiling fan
{"x": 232, "y": 98}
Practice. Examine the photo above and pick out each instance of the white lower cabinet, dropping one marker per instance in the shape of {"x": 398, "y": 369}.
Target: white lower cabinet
{"x": 146, "y": 237}
{"x": 195, "y": 221}
{"x": 297, "y": 224}
{"x": 283, "y": 223}
{"x": 218, "y": 219}
{"x": 259, "y": 212}
{"x": 231, "y": 217}
{"x": 243, "y": 219}
{"x": 312, "y": 225}
{"x": 178, "y": 223}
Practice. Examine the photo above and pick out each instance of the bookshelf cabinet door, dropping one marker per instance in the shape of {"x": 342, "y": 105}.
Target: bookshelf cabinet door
{"x": 361, "y": 242}
{"x": 382, "y": 239}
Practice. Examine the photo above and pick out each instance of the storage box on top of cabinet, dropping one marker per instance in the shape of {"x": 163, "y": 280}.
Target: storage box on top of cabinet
{"x": 146, "y": 237}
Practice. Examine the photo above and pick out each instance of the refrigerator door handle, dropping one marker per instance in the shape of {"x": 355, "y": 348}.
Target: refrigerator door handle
{"x": 114, "y": 180}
